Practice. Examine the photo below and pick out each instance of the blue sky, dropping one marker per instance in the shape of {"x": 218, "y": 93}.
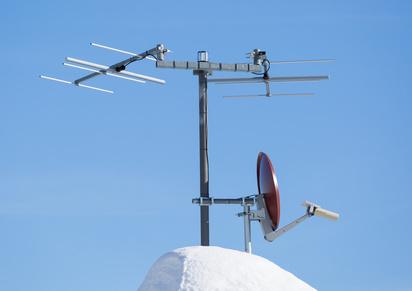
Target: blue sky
{"x": 95, "y": 187}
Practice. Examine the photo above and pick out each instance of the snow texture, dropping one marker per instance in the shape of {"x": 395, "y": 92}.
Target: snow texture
{"x": 215, "y": 268}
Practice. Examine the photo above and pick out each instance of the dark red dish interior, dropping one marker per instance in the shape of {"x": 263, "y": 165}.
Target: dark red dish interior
{"x": 268, "y": 186}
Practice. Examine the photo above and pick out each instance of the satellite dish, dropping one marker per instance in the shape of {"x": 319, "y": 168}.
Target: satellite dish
{"x": 268, "y": 200}
{"x": 267, "y": 203}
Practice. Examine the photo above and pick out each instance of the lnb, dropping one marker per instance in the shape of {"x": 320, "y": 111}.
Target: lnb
{"x": 314, "y": 209}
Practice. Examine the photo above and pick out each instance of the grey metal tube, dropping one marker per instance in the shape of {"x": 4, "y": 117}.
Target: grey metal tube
{"x": 204, "y": 166}
{"x": 247, "y": 232}
{"x": 275, "y": 234}
{"x": 210, "y": 201}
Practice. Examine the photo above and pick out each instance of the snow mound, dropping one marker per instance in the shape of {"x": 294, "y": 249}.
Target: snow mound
{"x": 215, "y": 268}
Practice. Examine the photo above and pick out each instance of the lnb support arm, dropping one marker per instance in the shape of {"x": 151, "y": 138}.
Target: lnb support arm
{"x": 311, "y": 210}
{"x": 275, "y": 234}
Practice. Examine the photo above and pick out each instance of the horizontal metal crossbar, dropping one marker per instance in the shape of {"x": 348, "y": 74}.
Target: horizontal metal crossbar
{"x": 209, "y": 201}
{"x": 207, "y": 66}
{"x": 271, "y": 79}
{"x": 270, "y": 95}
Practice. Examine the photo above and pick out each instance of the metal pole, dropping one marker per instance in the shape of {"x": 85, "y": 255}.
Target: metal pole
{"x": 246, "y": 218}
{"x": 204, "y": 163}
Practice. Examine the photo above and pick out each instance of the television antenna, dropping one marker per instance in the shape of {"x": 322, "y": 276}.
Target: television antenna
{"x": 259, "y": 57}
{"x": 259, "y": 65}
{"x": 267, "y": 203}
{"x": 117, "y": 70}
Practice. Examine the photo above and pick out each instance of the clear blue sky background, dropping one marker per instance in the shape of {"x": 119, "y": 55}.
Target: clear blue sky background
{"x": 95, "y": 187}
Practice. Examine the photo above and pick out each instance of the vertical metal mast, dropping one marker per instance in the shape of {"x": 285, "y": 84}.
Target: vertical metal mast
{"x": 204, "y": 161}
{"x": 202, "y": 68}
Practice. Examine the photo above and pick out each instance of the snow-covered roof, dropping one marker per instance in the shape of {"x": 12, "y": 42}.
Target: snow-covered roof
{"x": 215, "y": 268}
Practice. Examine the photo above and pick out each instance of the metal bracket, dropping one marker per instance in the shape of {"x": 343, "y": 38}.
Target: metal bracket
{"x": 254, "y": 215}
{"x": 208, "y": 66}
{"x": 206, "y": 201}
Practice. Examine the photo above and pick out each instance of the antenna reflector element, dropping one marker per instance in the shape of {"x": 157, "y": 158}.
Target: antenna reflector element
{"x": 113, "y": 49}
{"x": 55, "y": 79}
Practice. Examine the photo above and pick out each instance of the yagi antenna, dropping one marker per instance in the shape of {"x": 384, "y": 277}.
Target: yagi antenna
{"x": 259, "y": 58}
{"x": 117, "y": 70}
